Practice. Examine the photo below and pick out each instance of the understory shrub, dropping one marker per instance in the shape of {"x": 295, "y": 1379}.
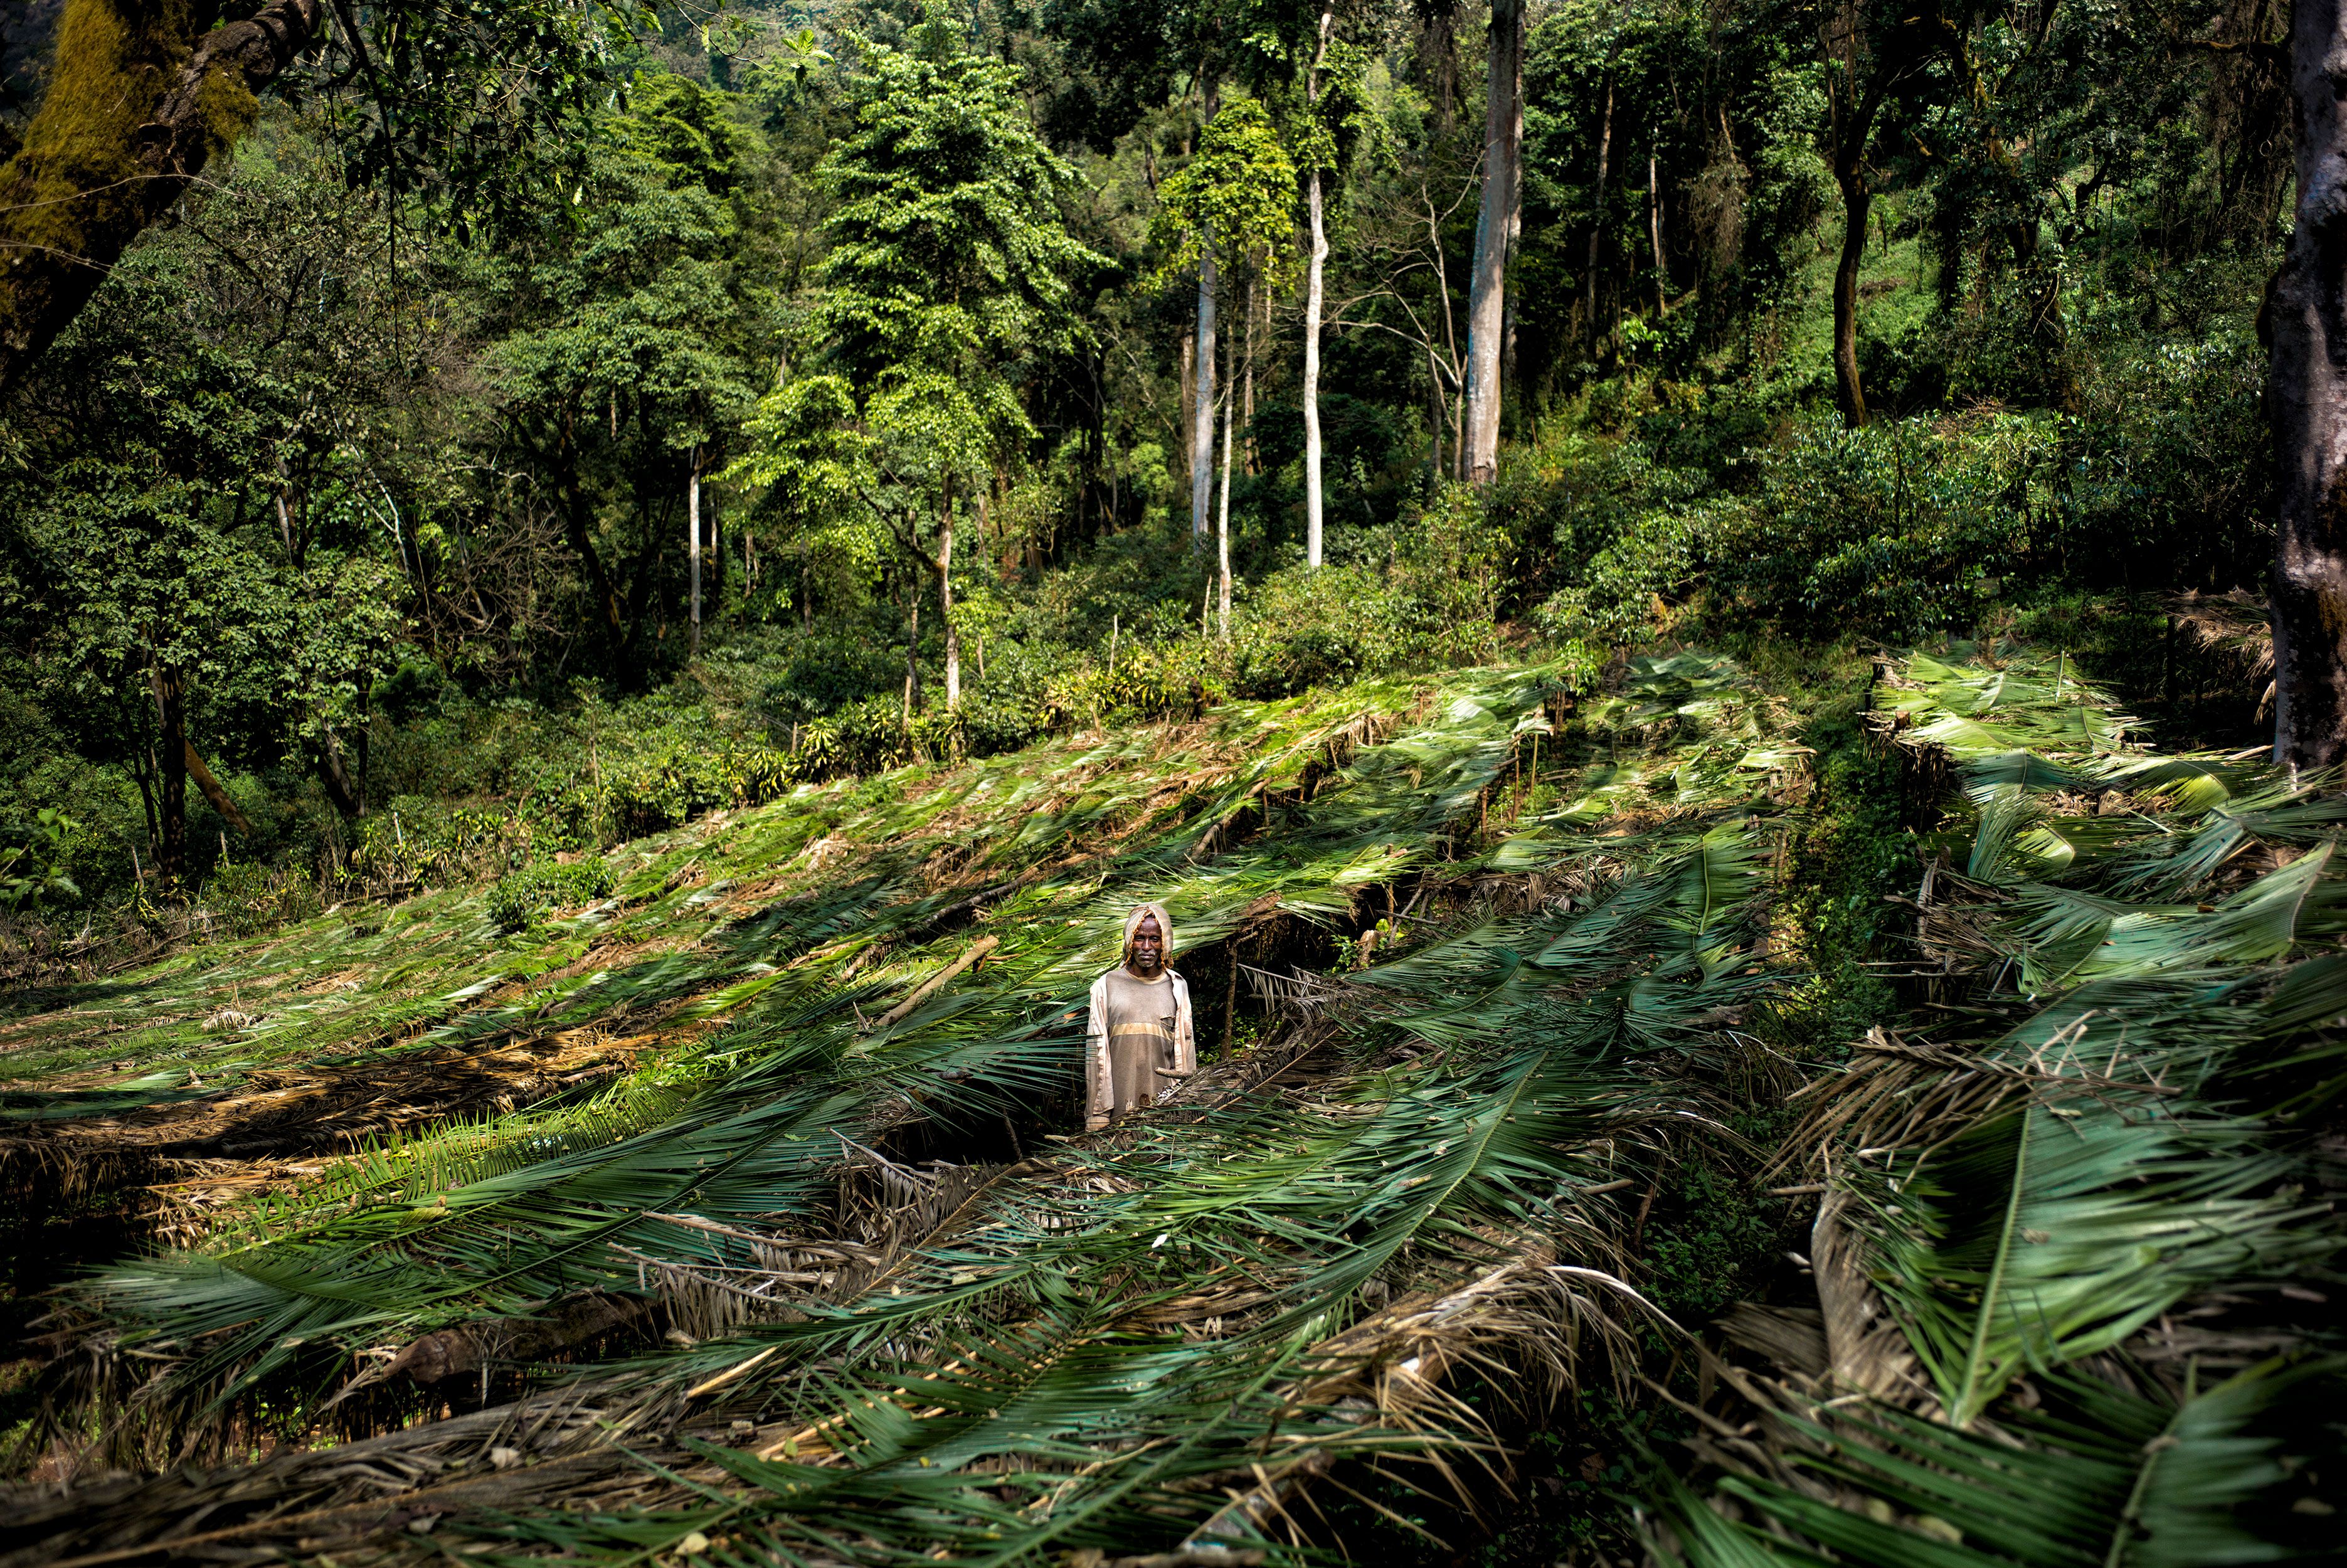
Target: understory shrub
{"x": 1896, "y": 530}
{"x": 519, "y": 898}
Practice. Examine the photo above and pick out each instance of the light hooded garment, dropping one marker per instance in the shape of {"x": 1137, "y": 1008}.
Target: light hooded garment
{"x": 1139, "y": 1039}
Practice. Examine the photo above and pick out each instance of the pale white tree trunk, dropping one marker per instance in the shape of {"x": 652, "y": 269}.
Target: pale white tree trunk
{"x": 1202, "y": 418}
{"x": 1495, "y": 225}
{"x": 692, "y": 542}
{"x": 1222, "y": 530}
{"x": 1315, "y": 300}
{"x": 1312, "y": 307}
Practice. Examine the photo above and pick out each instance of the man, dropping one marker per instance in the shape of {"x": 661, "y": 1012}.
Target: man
{"x": 1139, "y": 1039}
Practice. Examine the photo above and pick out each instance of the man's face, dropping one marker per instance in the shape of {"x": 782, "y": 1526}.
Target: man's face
{"x": 1147, "y": 955}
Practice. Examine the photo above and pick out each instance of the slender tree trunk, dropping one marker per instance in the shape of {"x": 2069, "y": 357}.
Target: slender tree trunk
{"x": 1654, "y": 233}
{"x": 912, "y": 650}
{"x": 715, "y": 541}
{"x": 1189, "y": 407}
{"x": 1495, "y": 223}
{"x": 222, "y": 802}
{"x": 1201, "y": 422}
{"x": 170, "y": 691}
{"x": 1597, "y": 213}
{"x": 2306, "y": 392}
{"x": 1315, "y": 266}
{"x": 1247, "y": 407}
{"x": 348, "y": 796}
{"x": 1313, "y": 304}
{"x": 945, "y": 601}
{"x": 1857, "y": 199}
{"x": 1223, "y": 529}
{"x": 1435, "y": 417}
{"x": 692, "y": 542}
{"x": 1852, "y": 112}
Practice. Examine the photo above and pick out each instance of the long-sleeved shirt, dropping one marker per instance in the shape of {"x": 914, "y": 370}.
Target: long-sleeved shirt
{"x": 1128, "y": 1053}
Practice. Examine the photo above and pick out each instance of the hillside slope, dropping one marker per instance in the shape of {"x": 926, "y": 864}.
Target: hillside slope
{"x": 739, "y": 1212}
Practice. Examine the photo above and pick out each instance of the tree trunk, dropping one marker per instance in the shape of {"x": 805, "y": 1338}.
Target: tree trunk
{"x": 170, "y": 689}
{"x": 912, "y": 650}
{"x": 2306, "y": 390}
{"x": 1201, "y": 420}
{"x": 1852, "y": 112}
{"x": 582, "y": 541}
{"x": 1316, "y": 267}
{"x": 348, "y": 796}
{"x": 1246, "y": 405}
{"x": 135, "y": 106}
{"x": 693, "y": 541}
{"x": 1654, "y": 233}
{"x": 1856, "y": 200}
{"x": 222, "y": 802}
{"x": 1313, "y": 301}
{"x": 1495, "y": 223}
{"x": 1223, "y": 528}
{"x": 1189, "y": 393}
{"x": 1597, "y": 213}
{"x": 945, "y": 601}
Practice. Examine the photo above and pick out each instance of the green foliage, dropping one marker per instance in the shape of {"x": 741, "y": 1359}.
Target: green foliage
{"x": 516, "y": 900}
{"x": 1234, "y": 199}
{"x": 1896, "y": 530}
{"x": 35, "y": 870}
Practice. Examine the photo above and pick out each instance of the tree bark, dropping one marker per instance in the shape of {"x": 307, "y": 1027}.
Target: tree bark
{"x": 170, "y": 689}
{"x": 912, "y": 650}
{"x": 1495, "y": 224}
{"x": 1654, "y": 233}
{"x": 1315, "y": 302}
{"x": 1223, "y": 526}
{"x": 1202, "y": 419}
{"x": 1852, "y": 112}
{"x": 582, "y": 541}
{"x": 692, "y": 542}
{"x": 943, "y": 564}
{"x": 347, "y": 794}
{"x": 1597, "y": 212}
{"x": 2306, "y": 393}
{"x": 222, "y": 802}
{"x": 1857, "y": 200}
{"x": 136, "y": 106}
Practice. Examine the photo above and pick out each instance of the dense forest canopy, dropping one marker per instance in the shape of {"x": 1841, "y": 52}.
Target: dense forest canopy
{"x": 766, "y": 312}
{"x": 1634, "y": 551}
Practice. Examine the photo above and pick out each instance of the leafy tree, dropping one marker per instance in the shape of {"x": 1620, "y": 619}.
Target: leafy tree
{"x": 949, "y": 277}
{"x": 631, "y": 358}
{"x": 1237, "y": 197}
{"x": 451, "y": 99}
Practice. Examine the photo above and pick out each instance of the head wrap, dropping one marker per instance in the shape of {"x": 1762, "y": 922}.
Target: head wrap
{"x": 1133, "y": 922}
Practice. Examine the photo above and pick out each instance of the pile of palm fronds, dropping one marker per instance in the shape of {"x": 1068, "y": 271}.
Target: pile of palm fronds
{"x": 228, "y": 1070}
{"x": 1092, "y": 1346}
{"x": 814, "y": 1279}
{"x": 2075, "y": 1255}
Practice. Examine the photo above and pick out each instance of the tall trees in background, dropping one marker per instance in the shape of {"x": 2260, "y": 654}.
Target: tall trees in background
{"x": 2307, "y": 395}
{"x": 1237, "y": 196}
{"x": 594, "y": 349}
{"x": 1496, "y": 220}
{"x": 950, "y": 265}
